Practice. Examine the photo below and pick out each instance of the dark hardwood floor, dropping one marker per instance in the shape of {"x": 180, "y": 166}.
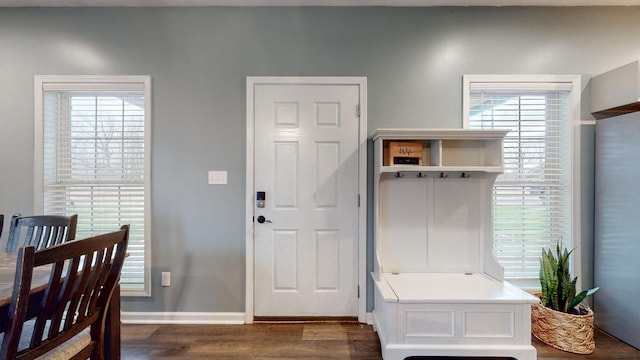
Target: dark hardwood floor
{"x": 326, "y": 340}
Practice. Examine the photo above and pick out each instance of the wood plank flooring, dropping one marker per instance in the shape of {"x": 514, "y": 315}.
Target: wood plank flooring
{"x": 308, "y": 340}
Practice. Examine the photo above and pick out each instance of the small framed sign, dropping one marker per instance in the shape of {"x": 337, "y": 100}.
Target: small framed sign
{"x": 405, "y": 153}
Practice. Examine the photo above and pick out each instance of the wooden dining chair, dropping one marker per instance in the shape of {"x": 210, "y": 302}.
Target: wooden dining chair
{"x": 66, "y": 319}
{"x": 41, "y": 231}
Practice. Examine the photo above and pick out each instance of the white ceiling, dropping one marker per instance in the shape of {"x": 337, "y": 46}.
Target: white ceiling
{"x": 152, "y": 3}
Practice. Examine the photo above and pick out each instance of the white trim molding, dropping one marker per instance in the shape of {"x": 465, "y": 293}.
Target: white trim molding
{"x": 361, "y": 82}
{"x": 194, "y": 318}
{"x": 121, "y": 83}
{"x": 572, "y": 83}
{"x": 223, "y": 318}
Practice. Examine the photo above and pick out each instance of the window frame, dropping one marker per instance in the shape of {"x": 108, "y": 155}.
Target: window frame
{"x": 106, "y": 82}
{"x": 574, "y": 106}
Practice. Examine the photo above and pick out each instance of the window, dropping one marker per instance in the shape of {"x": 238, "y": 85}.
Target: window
{"x": 93, "y": 159}
{"x": 536, "y": 200}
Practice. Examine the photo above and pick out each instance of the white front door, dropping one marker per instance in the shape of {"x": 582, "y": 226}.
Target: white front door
{"x": 306, "y": 235}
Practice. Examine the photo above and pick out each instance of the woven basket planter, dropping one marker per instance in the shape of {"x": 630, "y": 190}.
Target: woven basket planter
{"x": 567, "y": 332}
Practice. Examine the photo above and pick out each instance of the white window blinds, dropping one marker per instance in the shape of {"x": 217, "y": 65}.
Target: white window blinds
{"x": 95, "y": 164}
{"x": 533, "y": 204}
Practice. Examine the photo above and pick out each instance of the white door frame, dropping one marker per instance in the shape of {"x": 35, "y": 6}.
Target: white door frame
{"x": 361, "y": 82}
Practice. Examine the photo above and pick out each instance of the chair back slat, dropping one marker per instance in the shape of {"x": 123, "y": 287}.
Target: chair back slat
{"x": 34, "y": 237}
{"x": 83, "y": 276}
{"x": 23, "y": 277}
{"x": 57, "y": 235}
{"x": 43, "y": 236}
{"x": 48, "y": 306}
{"x": 90, "y": 286}
{"x": 1, "y": 223}
{"x": 40, "y": 231}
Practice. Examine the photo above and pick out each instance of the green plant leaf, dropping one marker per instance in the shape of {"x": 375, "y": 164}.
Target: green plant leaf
{"x": 557, "y": 286}
{"x": 571, "y": 293}
{"x": 578, "y": 299}
{"x": 592, "y": 291}
{"x": 548, "y": 279}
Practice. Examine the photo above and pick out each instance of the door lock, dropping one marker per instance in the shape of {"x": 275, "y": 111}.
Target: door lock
{"x": 260, "y": 199}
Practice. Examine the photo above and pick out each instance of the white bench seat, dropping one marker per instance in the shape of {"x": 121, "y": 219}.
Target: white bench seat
{"x": 451, "y": 314}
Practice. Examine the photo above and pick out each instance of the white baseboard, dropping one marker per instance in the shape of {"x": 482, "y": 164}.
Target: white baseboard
{"x": 182, "y": 318}
{"x": 230, "y": 318}
{"x": 369, "y": 318}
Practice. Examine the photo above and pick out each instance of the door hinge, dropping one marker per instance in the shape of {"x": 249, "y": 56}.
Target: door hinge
{"x": 358, "y": 110}
{"x": 358, "y": 200}
{"x": 358, "y": 291}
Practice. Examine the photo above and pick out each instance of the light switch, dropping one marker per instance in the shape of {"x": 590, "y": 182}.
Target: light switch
{"x": 217, "y": 177}
{"x": 166, "y": 278}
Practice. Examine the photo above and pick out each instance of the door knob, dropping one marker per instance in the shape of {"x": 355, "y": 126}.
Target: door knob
{"x": 262, "y": 219}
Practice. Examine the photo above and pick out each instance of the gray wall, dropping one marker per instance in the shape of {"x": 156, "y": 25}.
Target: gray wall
{"x": 198, "y": 58}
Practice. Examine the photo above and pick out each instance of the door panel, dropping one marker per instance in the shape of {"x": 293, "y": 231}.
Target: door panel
{"x": 306, "y": 160}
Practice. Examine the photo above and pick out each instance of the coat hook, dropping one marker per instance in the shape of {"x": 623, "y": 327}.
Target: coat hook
{"x": 443, "y": 175}
{"x": 399, "y": 175}
{"x": 465, "y": 175}
{"x": 420, "y": 175}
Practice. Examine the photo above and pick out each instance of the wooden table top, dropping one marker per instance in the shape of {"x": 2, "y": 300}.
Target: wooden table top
{"x": 7, "y": 276}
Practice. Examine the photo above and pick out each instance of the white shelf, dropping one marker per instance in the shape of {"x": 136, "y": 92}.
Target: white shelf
{"x": 436, "y": 134}
{"x": 436, "y": 217}
{"x": 616, "y": 92}
{"x": 440, "y": 169}
{"x": 444, "y": 150}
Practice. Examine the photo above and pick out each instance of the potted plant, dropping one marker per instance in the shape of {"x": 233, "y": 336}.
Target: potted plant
{"x": 562, "y": 319}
